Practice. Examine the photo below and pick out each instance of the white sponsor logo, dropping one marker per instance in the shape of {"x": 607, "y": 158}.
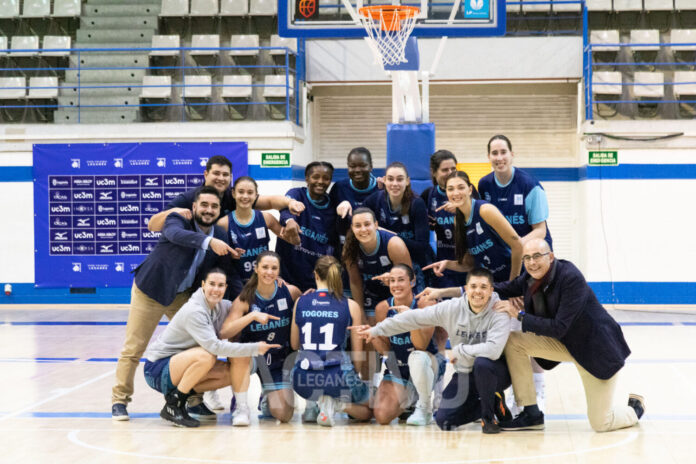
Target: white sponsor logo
{"x": 149, "y": 234}
{"x": 150, "y": 181}
{"x": 120, "y": 267}
{"x": 129, "y": 181}
{"x": 60, "y": 209}
{"x": 479, "y": 229}
{"x": 96, "y": 162}
{"x": 59, "y": 183}
{"x": 118, "y": 162}
{"x": 75, "y": 163}
{"x": 203, "y": 162}
{"x": 182, "y": 162}
{"x": 174, "y": 181}
{"x": 98, "y": 267}
{"x": 61, "y": 249}
{"x": 125, "y": 234}
{"x": 129, "y": 222}
{"x": 128, "y": 195}
{"x": 84, "y": 235}
{"x": 82, "y": 222}
{"x": 282, "y": 304}
{"x": 161, "y": 162}
{"x": 129, "y": 247}
{"x": 129, "y": 209}
{"x": 84, "y": 196}
{"x": 57, "y": 222}
{"x": 139, "y": 162}
{"x": 260, "y": 232}
{"x": 106, "y": 222}
{"x": 108, "y": 195}
{"x": 59, "y": 196}
{"x": 106, "y": 182}
{"x": 152, "y": 196}
{"x": 77, "y": 267}
{"x": 83, "y": 209}
{"x": 518, "y": 199}
{"x": 106, "y": 209}
{"x": 60, "y": 236}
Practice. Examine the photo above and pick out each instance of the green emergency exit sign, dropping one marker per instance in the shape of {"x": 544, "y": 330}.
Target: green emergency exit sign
{"x": 603, "y": 158}
{"x": 275, "y": 160}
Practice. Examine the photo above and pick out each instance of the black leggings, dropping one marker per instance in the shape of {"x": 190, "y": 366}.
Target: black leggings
{"x": 469, "y": 397}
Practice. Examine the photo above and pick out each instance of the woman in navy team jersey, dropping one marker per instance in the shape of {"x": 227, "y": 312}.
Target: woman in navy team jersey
{"x": 369, "y": 254}
{"x": 247, "y": 228}
{"x": 400, "y": 211}
{"x": 323, "y": 371}
{"x": 442, "y": 164}
{"x": 316, "y": 227}
{"x": 515, "y": 192}
{"x": 260, "y": 313}
{"x": 481, "y": 232}
{"x": 413, "y": 362}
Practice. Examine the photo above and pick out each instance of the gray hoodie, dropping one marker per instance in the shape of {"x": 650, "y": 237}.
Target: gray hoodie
{"x": 195, "y": 324}
{"x": 471, "y": 335}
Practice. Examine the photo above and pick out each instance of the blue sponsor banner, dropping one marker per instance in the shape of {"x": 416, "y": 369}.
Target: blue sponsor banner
{"x": 92, "y": 203}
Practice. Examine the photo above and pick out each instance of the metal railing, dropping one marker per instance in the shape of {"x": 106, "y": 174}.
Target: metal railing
{"x": 627, "y": 84}
{"x": 179, "y": 63}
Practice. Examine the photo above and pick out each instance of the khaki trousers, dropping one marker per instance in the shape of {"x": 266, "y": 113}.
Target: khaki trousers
{"x": 603, "y": 415}
{"x": 143, "y": 317}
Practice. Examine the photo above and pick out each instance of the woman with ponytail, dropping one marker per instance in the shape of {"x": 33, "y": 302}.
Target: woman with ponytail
{"x": 481, "y": 234}
{"x": 262, "y": 312}
{"x": 324, "y": 372}
{"x": 414, "y": 365}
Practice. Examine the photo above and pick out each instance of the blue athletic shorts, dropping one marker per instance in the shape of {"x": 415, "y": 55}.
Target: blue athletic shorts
{"x": 157, "y": 375}
{"x": 271, "y": 379}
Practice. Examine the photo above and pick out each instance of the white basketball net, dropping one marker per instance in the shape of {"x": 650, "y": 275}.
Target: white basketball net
{"x": 388, "y": 36}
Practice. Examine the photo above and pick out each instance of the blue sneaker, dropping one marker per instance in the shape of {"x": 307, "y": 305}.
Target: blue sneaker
{"x": 119, "y": 412}
{"x": 197, "y": 409}
{"x": 264, "y": 408}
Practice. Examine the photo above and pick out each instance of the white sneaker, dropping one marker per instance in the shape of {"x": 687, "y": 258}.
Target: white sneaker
{"x": 310, "y": 413}
{"x": 241, "y": 416}
{"x": 212, "y": 400}
{"x": 421, "y": 416}
{"x": 327, "y": 410}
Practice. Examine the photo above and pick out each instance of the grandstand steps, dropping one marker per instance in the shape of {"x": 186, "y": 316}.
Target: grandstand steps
{"x": 114, "y": 89}
{"x": 118, "y": 22}
{"x": 105, "y": 76}
{"x": 141, "y": 35}
{"x": 121, "y": 9}
{"x": 101, "y": 102}
{"x": 95, "y": 115}
{"x": 106, "y": 60}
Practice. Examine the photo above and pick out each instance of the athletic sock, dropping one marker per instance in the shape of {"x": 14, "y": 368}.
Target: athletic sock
{"x": 241, "y": 397}
{"x": 422, "y": 376}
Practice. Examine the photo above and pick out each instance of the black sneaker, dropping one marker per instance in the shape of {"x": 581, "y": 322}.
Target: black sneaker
{"x": 407, "y": 412}
{"x": 489, "y": 427}
{"x": 119, "y": 412}
{"x": 524, "y": 422}
{"x": 502, "y": 412}
{"x": 197, "y": 409}
{"x": 174, "y": 411}
{"x": 637, "y": 402}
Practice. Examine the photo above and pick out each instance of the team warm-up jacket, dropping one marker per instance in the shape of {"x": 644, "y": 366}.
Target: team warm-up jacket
{"x": 570, "y": 312}
{"x": 471, "y": 335}
{"x": 196, "y": 324}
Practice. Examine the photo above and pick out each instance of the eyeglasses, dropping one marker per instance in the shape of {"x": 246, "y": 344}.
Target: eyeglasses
{"x": 535, "y": 257}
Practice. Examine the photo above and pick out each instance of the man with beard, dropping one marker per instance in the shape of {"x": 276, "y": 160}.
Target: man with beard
{"x": 165, "y": 281}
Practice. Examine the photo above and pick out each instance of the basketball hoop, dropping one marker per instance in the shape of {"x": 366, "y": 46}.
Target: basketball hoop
{"x": 389, "y": 27}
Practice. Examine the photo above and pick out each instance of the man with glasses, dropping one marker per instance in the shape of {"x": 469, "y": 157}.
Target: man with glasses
{"x": 562, "y": 320}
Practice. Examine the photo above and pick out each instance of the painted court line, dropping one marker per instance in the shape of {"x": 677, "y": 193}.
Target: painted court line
{"x": 57, "y": 395}
{"x": 73, "y": 437}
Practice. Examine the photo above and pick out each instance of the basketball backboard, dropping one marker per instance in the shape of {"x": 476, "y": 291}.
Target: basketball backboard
{"x": 336, "y": 18}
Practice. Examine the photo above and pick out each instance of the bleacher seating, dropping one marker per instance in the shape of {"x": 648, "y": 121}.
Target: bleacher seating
{"x": 263, "y": 7}
{"x": 9, "y": 8}
{"x": 647, "y": 45}
{"x": 684, "y": 89}
{"x": 237, "y": 92}
{"x": 651, "y": 87}
{"x": 276, "y": 90}
{"x": 27, "y": 45}
{"x": 174, "y": 8}
{"x": 606, "y": 86}
{"x": 36, "y": 8}
{"x": 684, "y": 52}
{"x": 204, "y": 7}
{"x": 155, "y": 94}
{"x": 196, "y": 91}
{"x": 244, "y": 57}
{"x": 67, "y": 8}
{"x": 605, "y": 53}
{"x": 234, "y": 7}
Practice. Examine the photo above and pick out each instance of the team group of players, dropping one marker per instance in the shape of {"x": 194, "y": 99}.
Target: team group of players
{"x": 355, "y": 256}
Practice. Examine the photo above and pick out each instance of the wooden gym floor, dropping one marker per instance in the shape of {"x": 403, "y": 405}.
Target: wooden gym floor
{"x": 57, "y": 368}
